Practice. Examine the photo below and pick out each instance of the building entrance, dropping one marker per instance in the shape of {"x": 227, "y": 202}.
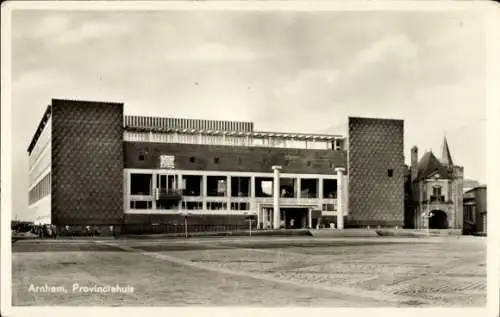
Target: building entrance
{"x": 294, "y": 218}
{"x": 439, "y": 220}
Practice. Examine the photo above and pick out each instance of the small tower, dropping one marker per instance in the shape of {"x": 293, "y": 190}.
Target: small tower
{"x": 445, "y": 154}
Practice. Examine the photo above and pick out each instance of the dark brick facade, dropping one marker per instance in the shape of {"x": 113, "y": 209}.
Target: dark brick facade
{"x": 87, "y": 163}
{"x": 232, "y": 158}
{"x": 175, "y": 223}
{"x": 376, "y": 172}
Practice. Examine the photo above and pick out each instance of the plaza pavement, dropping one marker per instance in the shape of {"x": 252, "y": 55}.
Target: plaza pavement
{"x": 256, "y": 271}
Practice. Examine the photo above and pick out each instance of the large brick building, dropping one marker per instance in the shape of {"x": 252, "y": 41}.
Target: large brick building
{"x": 91, "y": 165}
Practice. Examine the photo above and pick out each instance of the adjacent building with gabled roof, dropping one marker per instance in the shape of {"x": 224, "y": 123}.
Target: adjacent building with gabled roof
{"x": 436, "y": 191}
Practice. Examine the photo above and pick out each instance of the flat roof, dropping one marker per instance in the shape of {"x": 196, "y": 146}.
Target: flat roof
{"x": 285, "y": 135}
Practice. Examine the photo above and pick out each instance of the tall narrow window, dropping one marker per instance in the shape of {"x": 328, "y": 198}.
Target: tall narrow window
{"x": 437, "y": 193}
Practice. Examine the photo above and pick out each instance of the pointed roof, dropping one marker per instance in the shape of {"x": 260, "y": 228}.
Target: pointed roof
{"x": 445, "y": 154}
{"x": 430, "y": 165}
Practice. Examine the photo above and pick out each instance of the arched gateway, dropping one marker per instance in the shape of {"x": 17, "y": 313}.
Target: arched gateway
{"x": 438, "y": 220}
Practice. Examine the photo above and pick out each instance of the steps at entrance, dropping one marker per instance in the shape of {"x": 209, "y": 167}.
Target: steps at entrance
{"x": 329, "y": 233}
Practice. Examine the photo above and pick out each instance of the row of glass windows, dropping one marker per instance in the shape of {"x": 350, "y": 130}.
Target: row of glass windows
{"x": 41, "y": 143}
{"x": 215, "y": 205}
{"x": 41, "y": 189}
{"x": 222, "y": 186}
{"x": 190, "y": 205}
{"x": 178, "y": 123}
{"x": 40, "y": 167}
{"x": 232, "y": 140}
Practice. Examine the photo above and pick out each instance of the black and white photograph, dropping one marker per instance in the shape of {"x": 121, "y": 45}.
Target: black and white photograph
{"x": 245, "y": 155}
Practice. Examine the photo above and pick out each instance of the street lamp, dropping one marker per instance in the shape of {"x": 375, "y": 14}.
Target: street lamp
{"x": 249, "y": 219}
{"x": 185, "y": 214}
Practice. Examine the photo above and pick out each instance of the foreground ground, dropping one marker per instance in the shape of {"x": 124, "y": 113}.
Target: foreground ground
{"x": 302, "y": 271}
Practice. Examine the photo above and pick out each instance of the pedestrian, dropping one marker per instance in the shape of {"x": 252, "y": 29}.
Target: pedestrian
{"x": 54, "y": 232}
{"x": 44, "y": 231}
{"x": 49, "y": 231}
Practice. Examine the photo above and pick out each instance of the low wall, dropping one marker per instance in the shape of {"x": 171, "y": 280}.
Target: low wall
{"x": 332, "y": 233}
{"x": 418, "y": 232}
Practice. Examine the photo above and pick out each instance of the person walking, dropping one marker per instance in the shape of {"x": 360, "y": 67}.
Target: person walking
{"x": 54, "y": 232}
{"x": 49, "y": 231}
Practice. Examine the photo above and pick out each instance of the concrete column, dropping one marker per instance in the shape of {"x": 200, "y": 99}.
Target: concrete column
{"x": 265, "y": 217}
{"x": 259, "y": 218}
{"x": 154, "y": 185}
{"x": 179, "y": 188}
{"x": 228, "y": 186}
{"x": 340, "y": 198}
{"x": 252, "y": 187}
{"x": 297, "y": 185}
{"x": 276, "y": 197}
{"x": 204, "y": 191}
{"x": 253, "y": 203}
{"x": 320, "y": 188}
{"x": 228, "y": 192}
{"x": 309, "y": 218}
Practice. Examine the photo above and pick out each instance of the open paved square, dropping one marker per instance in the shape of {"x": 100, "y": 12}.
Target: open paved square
{"x": 301, "y": 271}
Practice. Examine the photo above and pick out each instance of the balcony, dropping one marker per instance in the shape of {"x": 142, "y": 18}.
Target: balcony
{"x": 437, "y": 199}
{"x": 168, "y": 194}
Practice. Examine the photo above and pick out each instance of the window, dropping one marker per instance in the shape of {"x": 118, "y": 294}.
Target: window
{"x": 240, "y": 206}
{"x": 216, "y": 205}
{"x": 216, "y": 186}
{"x": 142, "y": 155}
{"x": 330, "y": 188}
{"x": 140, "y": 184}
{"x": 309, "y": 163}
{"x": 138, "y": 204}
{"x": 309, "y": 188}
{"x": 263, "y": 187}
{"x": 192, "y": 205}
{"x": 192, "y": 185}
{"x": 288, "y": 187}
{"x": 329, "y": 207}
{"x": 216, "y": 160}
{"x": 436, "y": 190}
{"x": 240, "y": 186}
{"x": 192, "y": 159}
{"x": 390, "y": 172}
{"x": 437, "y": 194}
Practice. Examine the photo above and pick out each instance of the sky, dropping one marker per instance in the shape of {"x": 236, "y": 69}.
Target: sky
{"x": 285, "y": 71}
